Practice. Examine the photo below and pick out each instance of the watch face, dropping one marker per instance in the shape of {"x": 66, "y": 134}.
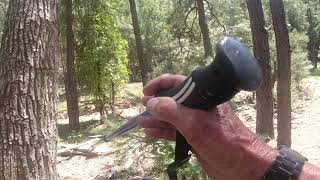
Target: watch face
{"x": 287, "y": 165}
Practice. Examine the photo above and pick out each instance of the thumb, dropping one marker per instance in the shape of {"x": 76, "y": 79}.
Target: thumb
{"x": 186, "y": 120}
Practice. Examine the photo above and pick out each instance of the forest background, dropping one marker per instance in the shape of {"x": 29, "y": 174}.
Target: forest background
{"x": 107, "y": 48}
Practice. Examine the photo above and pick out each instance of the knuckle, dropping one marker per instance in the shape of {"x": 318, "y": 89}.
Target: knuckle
{"x": 165, "y": 75}
{"x": 165, "y": 107}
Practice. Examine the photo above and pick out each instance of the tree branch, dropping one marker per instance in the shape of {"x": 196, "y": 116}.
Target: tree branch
{"x": 216, "y": 18}
{"x": 186, "y": 18}
{"x": 192, "y": 25}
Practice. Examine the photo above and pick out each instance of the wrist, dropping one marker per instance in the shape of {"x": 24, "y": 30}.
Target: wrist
{"x": 309, "y": 172}
{"x": 287, "y": 165}
{"x": 257, "y": 159}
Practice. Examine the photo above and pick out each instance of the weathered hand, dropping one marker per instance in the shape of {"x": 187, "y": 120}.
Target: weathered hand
{"x": 153, "y": 127}
{"x": 223, "y": 145}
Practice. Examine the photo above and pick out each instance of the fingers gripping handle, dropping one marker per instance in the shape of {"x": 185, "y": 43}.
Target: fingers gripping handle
{"x": 233, "y": 69}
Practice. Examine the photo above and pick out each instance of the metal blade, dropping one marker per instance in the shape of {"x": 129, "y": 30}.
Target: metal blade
{"x": 131, "y": 124}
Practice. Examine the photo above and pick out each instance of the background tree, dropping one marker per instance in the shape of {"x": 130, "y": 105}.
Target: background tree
{"x": 264, "y": 121}
{"x": 136, "y": 28}
{"x": 314, "y": 37}
{"x": 283, "y": 73}
{"x": 28, "y": 69}
{"x": 69, "y": 75}
{"x": 100, "y": 53}
{"x": 204, "y": 29}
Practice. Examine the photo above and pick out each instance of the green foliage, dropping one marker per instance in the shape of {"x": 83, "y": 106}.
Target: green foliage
{"x": 164, "y": 155}
{"x": 100, "y": 49}
{"x": 296, "y": 15}
{"x": 313, "y": 18}
{"x": 299, "y": 62}
{"x": 315, "y": 72}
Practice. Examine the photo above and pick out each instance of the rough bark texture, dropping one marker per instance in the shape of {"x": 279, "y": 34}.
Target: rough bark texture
{"x": 136, "y": 28}
{"x": 264, "y": 122}
{"x": 70, "y": 77}
{"x": 204, "y": 29}
{"x": 284, "y": 72}
{"x": 28, "y": 70}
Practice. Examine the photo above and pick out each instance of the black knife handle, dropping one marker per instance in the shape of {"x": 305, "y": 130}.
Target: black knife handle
{"x": 233, "y": 69}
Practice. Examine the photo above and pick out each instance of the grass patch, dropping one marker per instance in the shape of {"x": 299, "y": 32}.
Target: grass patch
{"x": 131, "y": 92}
{"x": 315, "y": 72}
{"x": 87, "y": 128}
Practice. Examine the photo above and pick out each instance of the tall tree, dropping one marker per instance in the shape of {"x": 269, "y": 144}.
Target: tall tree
{"x": 313, "y": 45}
{"x": 28, "y": 69}
{"x": 264, "y": 122}
{"x": 136, "y": 28}
{"x": 100, "y": 53}
{"x": 69, "y": 76}
{"x": 204, "y": 29}
{"x": 283, "y": 73}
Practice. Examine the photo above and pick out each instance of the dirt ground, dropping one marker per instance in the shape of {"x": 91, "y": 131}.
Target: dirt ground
{"x": 306, "y": 125}
{"x": 305, "y": 139}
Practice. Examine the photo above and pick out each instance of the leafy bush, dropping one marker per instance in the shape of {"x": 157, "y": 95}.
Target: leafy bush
{"x": 299, "y": 62}
{"x": 315, "y": 72}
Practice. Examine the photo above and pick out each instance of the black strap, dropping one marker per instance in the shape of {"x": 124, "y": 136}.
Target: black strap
{"x": 181, "y": 156}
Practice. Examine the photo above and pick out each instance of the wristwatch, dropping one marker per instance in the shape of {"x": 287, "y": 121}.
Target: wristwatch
{"x": 287, "y": 165}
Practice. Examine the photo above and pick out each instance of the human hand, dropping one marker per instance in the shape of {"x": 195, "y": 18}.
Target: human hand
{"x": 223, "y": 145}
{"x": 153, "y": 127}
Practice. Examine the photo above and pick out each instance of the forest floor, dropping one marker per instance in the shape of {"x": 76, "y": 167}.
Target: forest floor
{"x": 81, "y": 157}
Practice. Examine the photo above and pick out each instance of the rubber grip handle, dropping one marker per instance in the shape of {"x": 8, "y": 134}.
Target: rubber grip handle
{"x": 233, "y": 69}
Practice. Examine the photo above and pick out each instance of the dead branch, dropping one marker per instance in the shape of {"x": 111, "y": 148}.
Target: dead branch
{"x": 186, "y": 18}
{"x": 78, "y": 152}
{"x": 82, "y": 152}
{"x": 216, "y": 18}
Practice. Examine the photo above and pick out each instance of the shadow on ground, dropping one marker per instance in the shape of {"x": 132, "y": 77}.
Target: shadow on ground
{"x": 87, "y": 128}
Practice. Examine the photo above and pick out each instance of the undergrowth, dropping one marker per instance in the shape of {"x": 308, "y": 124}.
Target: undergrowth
{"x": 315, "y": 72}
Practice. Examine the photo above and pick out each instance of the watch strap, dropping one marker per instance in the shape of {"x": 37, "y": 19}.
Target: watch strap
{"x": 287, "y": 165}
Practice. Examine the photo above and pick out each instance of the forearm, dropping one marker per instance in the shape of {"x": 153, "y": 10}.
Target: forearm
{"x": 310, "y": 172}
{"x": 259, "y": 159}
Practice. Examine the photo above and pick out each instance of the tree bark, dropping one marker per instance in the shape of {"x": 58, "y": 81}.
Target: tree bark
{"x": 28, "y": 73}
{"x": 204, "y": 29}
{"x": 136, "y": 28}
{"x": 284, "y": 72}
{"x": 101, "y": 97}
{"x": 264, "y": 122}
{"x": 70, "y": 77}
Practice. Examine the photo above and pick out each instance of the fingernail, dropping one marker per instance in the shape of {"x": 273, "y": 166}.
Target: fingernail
{"x": 151, "y": 104}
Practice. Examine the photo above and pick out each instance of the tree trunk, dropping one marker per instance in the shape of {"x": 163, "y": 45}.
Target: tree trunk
{"x": 314, "y": 39}
{"x": 264, "y": 122}
{"x": 28, "y": 74}
{"x": 284, "y": 72}
{"x": 136, "y": 28}
{"x": 70, "y": 77}
{"x": 101, "y": 98}
{"x": 113, "y": 98}
{"x": 102, "y": 109}
{"x": 204, "y": 29}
